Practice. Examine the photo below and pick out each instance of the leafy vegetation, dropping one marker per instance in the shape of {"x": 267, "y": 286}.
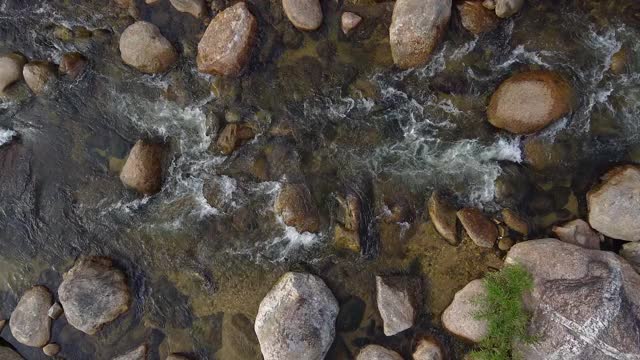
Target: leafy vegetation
{"x": 504, "y": 312}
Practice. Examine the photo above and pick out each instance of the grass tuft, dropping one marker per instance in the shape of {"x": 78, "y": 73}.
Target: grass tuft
{"x": 504, "y": 312}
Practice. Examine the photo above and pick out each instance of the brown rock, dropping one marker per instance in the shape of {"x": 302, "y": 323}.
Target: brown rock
{"x": 444, "y": 217}
{"x": 476, "y": 18}
{"x": 349, "y": 212}
{"x": 295, "y": 204}
{"x": 29, "y": 322}
{"x": 72, "y": 64}
{"x": 481, "y": 230}
{"x": 2, "y": 324}
{"x": 303, "y": 14}
{"x": 578, "y": 232}
{"x": 460, "y": 317}
{"x": 232, "y": 136}
{"x": 10, "y": 69}
{"x": 38, "y": 75}
{"x": 515, "y": 222}
{"x": 614, "y": 205}
{"x": 226, "y": 46}
{"x": 620, "y": 61}
{"x": 51, "y": 349}
{"x": 194, "y": 7}
{"x": 529, "y": 101}
{"x": 417, "y": 26}
{"x": 349, "y": 21}
{"x": 143, "y": 47}
{"x": 143, "y": 169}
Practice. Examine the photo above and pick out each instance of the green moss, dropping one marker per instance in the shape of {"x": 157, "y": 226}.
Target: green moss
{"x": 504, "y": 312}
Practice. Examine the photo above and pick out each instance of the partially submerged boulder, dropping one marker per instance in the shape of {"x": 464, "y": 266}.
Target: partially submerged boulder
{"x": 139, "y": 353}
{"x": 444, "y": 217}
{"x": 585, "y": 303}
{"x": 93, "y": 293}
{"x": 303, "y": 14}
{"x": 529, "y": 101}
{"x": 481, "y": 230}
{"x": 38, "y": 75}
{"x": 417, "y": 26}
{"x": 578, "y": 232}
{"x": 296, "y": 319}
{"x": 476, "y": 18}
{"x": 377, "y": 352}
{"x": 143, "y": 47}
{"x": 10, "y": 69}
{"x": 197, "y": 8}
{"x": 72, "y": 65}
{"x": 295, "y": 204}
{"x": 614, "y": 205}
{"x": 515, "y": 222}
{"x": 396, "y": 302}
{"x": 461, "y": 317}
{"x": 232, "y": 136}
{"x": 29, "y": 322}
{"x": 143, "y": 169}
{"x": 227, "y": 43}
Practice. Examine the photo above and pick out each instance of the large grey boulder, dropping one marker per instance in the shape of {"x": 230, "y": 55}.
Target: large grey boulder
{"x": 460, "y": 317}
{"x": 614, "y": 205}
{"x": 143, "y": 47}
{"x": 396, "y": 301}
{"x": 585, "y": 303}
{"x": 482, "y": 231}
{"x": 630, "y": 252}
{"x": 10, "y": 69}
{"x": 303, "y": 14}
{"x": 417, "y": 26}
{"x": 29, "y": 322}
{"x": 225, "y": 47}
{"x": 38, "y": 75}
{"x": 296, "y": 319}
{"x": 93, "y": 293}
{"x": 377, "y": 352}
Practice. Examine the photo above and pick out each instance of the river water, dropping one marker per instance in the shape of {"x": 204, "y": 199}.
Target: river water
{"x": 202, "y": 253}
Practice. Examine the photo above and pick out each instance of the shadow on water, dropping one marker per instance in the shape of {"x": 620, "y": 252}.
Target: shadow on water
{"x": 330, "y": 111}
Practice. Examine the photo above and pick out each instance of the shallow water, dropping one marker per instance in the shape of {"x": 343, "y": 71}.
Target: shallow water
{"x": 201, "y": 254}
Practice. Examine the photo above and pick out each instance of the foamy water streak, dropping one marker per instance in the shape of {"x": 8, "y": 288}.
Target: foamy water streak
{"x": 6, "y": 135}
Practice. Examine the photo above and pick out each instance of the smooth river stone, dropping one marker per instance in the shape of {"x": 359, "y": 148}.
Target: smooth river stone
{"x": 303, "y": 14}
{"x": 93, "y": 294}
{"x": 428, "y": 349}
{"x": 377, "y": 352}
{"x": 481, "y": 230}
{"x": 143, "y": 169}
{"x": 30, "y": 324}
{"x": 143, "y": 47}
{"x": 10, "y": 69}
{"x": 225, "y": 48}
{"x": 295, "y": 204}
{"x": 38, "y": 75}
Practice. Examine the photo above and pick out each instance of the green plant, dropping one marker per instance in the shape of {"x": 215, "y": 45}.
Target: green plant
{"x": 504, "y": 311}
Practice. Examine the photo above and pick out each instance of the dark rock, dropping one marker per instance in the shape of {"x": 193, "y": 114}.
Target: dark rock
{"x": 93, "y": 294}
{"x": 143, "y": 169}
{"x": 428, "y": 349}
{"x": 295, "y": 204}
{"x": 481, "y": 230}
{"x": 296, "y": 319}
{"x": 8, "y": 354}
{"x": 29, "y": 322}
{"x": 351, "y": 314}
{"x": 476, "y": 18}
{"x": 10, "y": 69}
{"x": 515, "y": 222}
{"x": 143, "y": 47}
{"x": 505, "y": 243}
{"x": 346, "y": 239}
{"x": 232, "y": 136}
{"x": 72, "y": 65}
{"x": 38, "y": 76}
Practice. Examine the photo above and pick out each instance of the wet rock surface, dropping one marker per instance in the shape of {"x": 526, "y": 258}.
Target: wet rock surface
{"x": 377, "y": 352}
{"x": 143, "y": 47}
{"x": 38, "y": 75}
{"x": 225, "y": 47}
{"x": 529, "y": 101}
{"x": 143, "y": 170}
{"x": 29, "y": 322}
{"x": 578, "y": 232}
{"x": 10, "y": 69}
{"x": 416, "y": 30}
{"x": 614, "y": 205}
{"x": 296, "y": 319}
{"x": 139, "y": 353}
{"x": 93, "y": 293}
{"x": 303, "y": 14}
{"x": 295, "y": 204}
{"x": 460, "y": 317}
{"x": 480, "y": 229}
{"x": 476, "y": 18}
{"x": 396, "y": 299}
{"x": 584, "y": 302}
{"x": 73, "y": 65}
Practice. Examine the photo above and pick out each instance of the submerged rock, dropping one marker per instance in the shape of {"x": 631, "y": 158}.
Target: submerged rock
{"x": 460, "y": 317}
{"x": 72, "y": 64}
{"x": 143, "y": 169}
{"x": 29, "y": 322}
{"x": 143, "y": 47}
{"x": 614, "y": 205}
{"x": 296, "y": 319}
{"x": 93, "y": 293}
{"x": 346, "y": 239}
{"x": 481, "y": 230}
{"x": 303, "y": 14}
{"x": 226, "y": 46}
{"x": 507, "y": 8}
{"x": 515, "y": 222}
{"x": 2, "y": 324}
{"x": 295, "y": 204}
{"x": 8, "y": 354}
{"x": 630, "y": 252}
{"x": 232, "y": 136}
{"x": 10, "y": 69}
{"x": 196, "y": 8}
{"x": 396, "y": 300}
{"x": 620, "y": 61}
{"x": 38, "y": 75}
{"x": 349, "y": 21}
{"x": 529, "y": 101}
{"x": 350, "y": 212}
{"x": 476, "y": 18}
{"x": 444, "y": 217}
{"x": 176, "y": 357}
{"x": 578, "y": 232}
{"x": 428, "y": 349}
{"x": 139, "y": 353}
{"x": 417, "y": 26}
{"x": 51, "y": 349}
{"x": 377, "y": 352}
{"x": 585, "y": 303}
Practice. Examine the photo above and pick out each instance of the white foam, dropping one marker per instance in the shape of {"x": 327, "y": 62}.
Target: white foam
{"x": 6, "y": 135}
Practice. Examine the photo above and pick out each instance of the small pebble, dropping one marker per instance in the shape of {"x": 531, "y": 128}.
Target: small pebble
{"x": 51, "y": 349}
{"x": 55, "y": 311}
